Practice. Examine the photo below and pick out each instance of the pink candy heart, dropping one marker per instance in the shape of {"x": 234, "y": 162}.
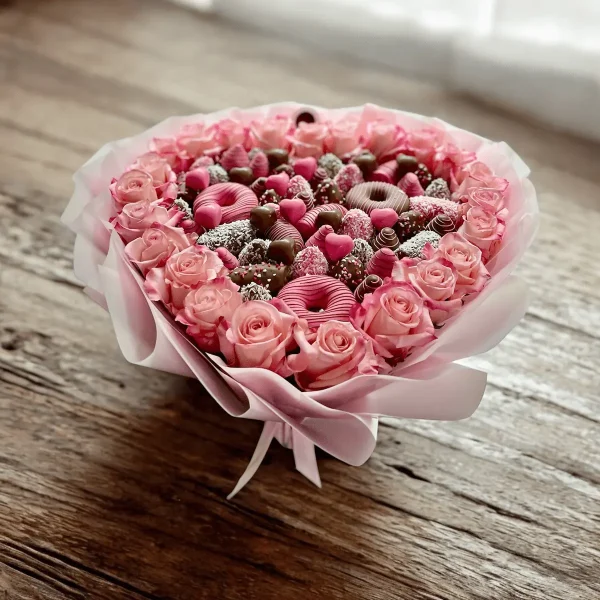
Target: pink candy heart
{"x": 292, "y": 210}
{"x": 208, "y": 215}
{"x": 338, "y": 246}
{"x": 383, "y": 217}
{"x": 197, "y": 179}
{"x": 305, "y": 167}
{"x": 278, "y": 182}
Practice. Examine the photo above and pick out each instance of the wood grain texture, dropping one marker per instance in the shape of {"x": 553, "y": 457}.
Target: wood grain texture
{"x": 113, "y": 478}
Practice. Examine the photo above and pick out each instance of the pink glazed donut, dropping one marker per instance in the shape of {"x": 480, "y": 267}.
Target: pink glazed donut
{"x": 236, "y": 200}
{"x": 318, "y": 299}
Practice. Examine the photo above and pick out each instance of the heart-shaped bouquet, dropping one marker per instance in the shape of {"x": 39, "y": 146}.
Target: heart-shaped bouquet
{"x": 314, "y": 269}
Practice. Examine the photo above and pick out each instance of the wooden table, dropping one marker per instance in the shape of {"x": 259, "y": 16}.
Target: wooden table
{"x": 113, "y": 478}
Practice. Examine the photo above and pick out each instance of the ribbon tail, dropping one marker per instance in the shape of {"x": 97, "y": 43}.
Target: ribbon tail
{"x": 266, "y": 437}
{"x": 305, "y": 457}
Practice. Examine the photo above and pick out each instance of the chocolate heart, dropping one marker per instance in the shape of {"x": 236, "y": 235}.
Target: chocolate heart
{"x": 329, "y": 217}
{"x": 243, "y": 175}
{"x": 277, "y": 156}
{"x": 263, "y": 217}
{"x": 406, "y": 164}
{"x": 366, "y": 162}
{"x": 282, "y": 251}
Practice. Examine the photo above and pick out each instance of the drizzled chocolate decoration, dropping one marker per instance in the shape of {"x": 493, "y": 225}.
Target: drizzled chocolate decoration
{"x": 259, "y": 186}
{"x": 306, "y": 197}
{"x": 382, "y": 263}
{"x": 386, "y": 238}
{"x": 377, "y": 194}
{"x": 319, "y": 177}
{"x": 441, "y": 224}
{"x": 386, "y": 172}
{"x": 281, "y": 230}
{"x": 271, "y": 277}
{"x": 369, "y": 284}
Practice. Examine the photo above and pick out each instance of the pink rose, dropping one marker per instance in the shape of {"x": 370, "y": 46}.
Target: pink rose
{"x": 135, "y": 218}
{"x": 183, "y": 272}
{"x": 424, "y": 143}
{"x": 260, "y": 335}
{"x": 337, "y": 353}
{"x": 435, "y": 280}
{"x": 478, "y": 174}
{"x": 230, "y": 132}
{"x": 133, "y": 186}
{"x": 272, "y": 133}
{"x": 308, "y": 139}
{"x": 483, "y": 229}
{"x": 385, "y": 140}
{"x": 490, "y": 199}
{"x": 163, "y": 176}
{"x": 395, "y": 318}
{"x": 343, "y": 138}
{"x": 155, "y": 246}
{"x": 197, "y": 139}
{"x": 205, "y": 307}
{"x": 448, "y": 161}
{"x": 471, "y": 274}
{"x": 167, "y": 148}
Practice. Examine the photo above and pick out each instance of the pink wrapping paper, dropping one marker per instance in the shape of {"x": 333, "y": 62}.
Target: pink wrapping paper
{"x": 341, "y": 420}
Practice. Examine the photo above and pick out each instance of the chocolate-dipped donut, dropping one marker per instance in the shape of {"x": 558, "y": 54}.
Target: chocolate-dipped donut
{"x": 318, "y": 299}
{"x": 377, "y": 194}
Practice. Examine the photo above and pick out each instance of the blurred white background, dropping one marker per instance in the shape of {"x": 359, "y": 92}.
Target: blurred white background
{"x": 540, "y": 57}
